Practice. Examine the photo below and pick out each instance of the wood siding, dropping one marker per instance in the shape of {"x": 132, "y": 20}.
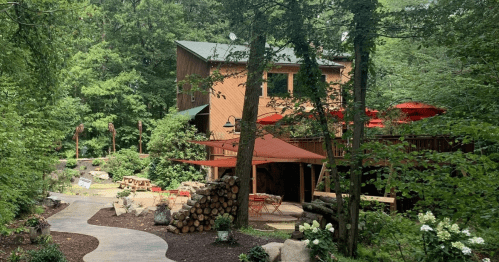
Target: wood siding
{"x": 233, "y": 89}
{"x": 188, "y": 64}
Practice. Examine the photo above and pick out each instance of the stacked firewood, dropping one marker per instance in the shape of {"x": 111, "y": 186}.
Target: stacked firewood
{"x": 199, "y": 213}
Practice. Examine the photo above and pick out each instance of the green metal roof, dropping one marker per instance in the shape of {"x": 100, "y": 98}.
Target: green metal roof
{"x": 214, "y": 52}
{"x": 192, "y": 112}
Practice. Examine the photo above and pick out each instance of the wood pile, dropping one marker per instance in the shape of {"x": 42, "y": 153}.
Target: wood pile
{"x": 323, "y": 210}
{"x": 200, "y": 211}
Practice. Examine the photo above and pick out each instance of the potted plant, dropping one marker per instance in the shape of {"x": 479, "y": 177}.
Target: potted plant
{"x": 37, "y": 226}
{"x": 222, "y": 225}
{"x": 163, "y": 215}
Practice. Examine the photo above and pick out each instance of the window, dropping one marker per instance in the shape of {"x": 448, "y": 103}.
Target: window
{"x": 300, "y": 91}
{"x": 277, "y": 84}
{"x": 237, "y": 126}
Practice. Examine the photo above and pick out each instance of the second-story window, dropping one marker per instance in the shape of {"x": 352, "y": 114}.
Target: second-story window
{"x": 300, "y": 91}
{"x": 277, "y": 84}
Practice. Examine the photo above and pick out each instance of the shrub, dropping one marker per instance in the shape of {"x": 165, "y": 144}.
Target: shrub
{"x": 50, "y": 253}
{"x": 445, "y": 241}
{"x": 61, "y": 180}
{"x": 82, "y": 168}
{"x": 320, "y": 241}
{"x": 126, "y": 162}
{"x": 123, "y": 193}
{"x": 97, "y": 162}
{"x": 223, "y": 222}
{"x": 71, "y": 163}
{"x": 170, "y": 140}
{"x": 255, "y": 254}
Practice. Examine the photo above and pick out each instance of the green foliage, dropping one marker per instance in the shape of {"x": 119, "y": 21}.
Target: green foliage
{"x": 49, "y": 252}
{"x": 17, "y": 255}
{"x": 125, "y": 162}
{"x": 265, "y": 234}
{"x": 71, "y": 163}
{"x": 59, "y": 181}
{"x": 256, "y": 254}
{"x": 223, "y": 222}
{"x": 82, "y": 168}
{"x": 170, "y": 140}
{"x": 123, "y": 193}
{"x": 444, "y": 241}
{"x": 320, "y": 241}
{"x": 97, "y": 162}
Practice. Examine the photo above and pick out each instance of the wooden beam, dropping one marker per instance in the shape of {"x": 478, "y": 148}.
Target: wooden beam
{"x": 390, "y": 200}
{"x": 254, "y": 179}
{"x": 312, "y": 172}
{"x": 215, "y": 173}
{"x": 328, "y": 181}
{"x": 321, "y": 175}
{"x": 302, "y": 183}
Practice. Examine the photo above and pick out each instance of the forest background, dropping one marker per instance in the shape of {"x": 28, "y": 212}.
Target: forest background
{"x": 64, "y": 63}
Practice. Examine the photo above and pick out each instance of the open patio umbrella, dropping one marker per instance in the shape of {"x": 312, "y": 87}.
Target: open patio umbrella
{"x": 340, "y": 113}
{"x": 416, "y": 111}
{"x": 269, "y": 120}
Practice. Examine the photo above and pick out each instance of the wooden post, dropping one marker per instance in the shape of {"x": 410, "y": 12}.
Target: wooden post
{"x": 312, "y": 172}
{"x": 114, "y": 144}
{"x": 77, "y": 146}
{"x": 215, "y": 173}
{"x": 140, "y": 137}
{"x": 302, "y": 183}
{"x": 254, "y": 179}
{"x": 393, "y": 206}
{"x": 328, "y": 181}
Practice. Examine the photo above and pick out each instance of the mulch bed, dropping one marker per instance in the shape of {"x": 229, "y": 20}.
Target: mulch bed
{"x": 74, "y": 246}
{"x": 199, "y": 247}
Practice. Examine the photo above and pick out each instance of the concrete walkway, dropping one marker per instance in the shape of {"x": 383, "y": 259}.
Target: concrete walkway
{"x": 115, "y": 244}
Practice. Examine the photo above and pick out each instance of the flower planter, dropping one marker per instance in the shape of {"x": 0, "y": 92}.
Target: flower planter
{"x": 155, "y": 189}
{"x": 35, "y": 233}
{"x": 223, "y": 235}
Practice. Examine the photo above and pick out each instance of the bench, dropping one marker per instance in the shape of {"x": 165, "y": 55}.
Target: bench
{"x": 388, "y": 200}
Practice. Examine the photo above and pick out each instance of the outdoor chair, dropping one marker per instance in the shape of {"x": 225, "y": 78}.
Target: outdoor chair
{"x": 255, "y": 205}
{"x": 276, "y": 205}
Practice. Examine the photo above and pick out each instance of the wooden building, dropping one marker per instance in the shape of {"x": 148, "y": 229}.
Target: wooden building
{"x": 211, "y": 111}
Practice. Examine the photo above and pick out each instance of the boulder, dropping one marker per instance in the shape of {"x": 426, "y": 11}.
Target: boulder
{"x": 127, "y": 201}
{"x": 141, "y": 211}
{"x": 99, "y": 174}
{"x": 295, "y": 251}
{"x": 119, "y": 210}
{"x": 52, "y": 201}
{"x": 274, "y": 251}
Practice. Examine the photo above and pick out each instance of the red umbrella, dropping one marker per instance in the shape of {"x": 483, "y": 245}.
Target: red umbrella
{"x": 416, "y": 111}
{"x": 340, "y": 113}
{"x": 269, "y": 120}
{"x": 379, "y": 123}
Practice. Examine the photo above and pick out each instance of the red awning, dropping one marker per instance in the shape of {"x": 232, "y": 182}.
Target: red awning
{"x": 416, "y": 111}
{"x": 269, "y": 120}
{"x": 267, "y": 146}
{"x": 228, "y": 162}
{"x": 379, "y": 123}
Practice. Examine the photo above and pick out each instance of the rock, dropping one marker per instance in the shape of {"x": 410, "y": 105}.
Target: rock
{"x": 274, "y": 251}
{"x": 133, "y": 207}
{"x": 295, "y": 251}
{"x": 152, "y": 208}
{"x": 119, "y": 210}
{"x": 141, "y": 211}
{"x": 99, "y": 174}
{"x": 52, "y": 201}
{"x": 108, "y": 205}
{"x": 127, "y": 201}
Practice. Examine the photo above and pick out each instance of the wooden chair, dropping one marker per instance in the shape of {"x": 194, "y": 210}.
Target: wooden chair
{"x": 276, "y": 205}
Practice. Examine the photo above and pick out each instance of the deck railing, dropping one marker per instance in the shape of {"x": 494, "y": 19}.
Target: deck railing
{"x": 437, "y": 143}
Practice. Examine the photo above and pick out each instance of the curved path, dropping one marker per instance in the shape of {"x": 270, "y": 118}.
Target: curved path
{"x": 115, "y": 244}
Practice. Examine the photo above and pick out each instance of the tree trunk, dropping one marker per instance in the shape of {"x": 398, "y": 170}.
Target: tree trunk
{"x": 255, "y": 66}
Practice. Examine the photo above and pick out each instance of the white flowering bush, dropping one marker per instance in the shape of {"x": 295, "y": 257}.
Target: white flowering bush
{"x": 320, "y": 241}
{"x": 445, "y": 241}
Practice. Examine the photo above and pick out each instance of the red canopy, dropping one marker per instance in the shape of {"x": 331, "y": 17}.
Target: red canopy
{"x": 340, "y": 113}
{"x": 266, "y": 146}
{"x": 416, "y": 111}
{"x": 269, "y": 120}
{"x": 379, "y": 123}
{"x": 228, "y": 162}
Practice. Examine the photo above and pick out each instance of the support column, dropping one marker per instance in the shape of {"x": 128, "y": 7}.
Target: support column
{"x": 254, "y": 179}
{"x": 312, "y": 172}
{"x": 328, "y": 181}
{"x": 76, "y": 146}
{"x": 302, "y": 183}
{"x": 215, "y": 173}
